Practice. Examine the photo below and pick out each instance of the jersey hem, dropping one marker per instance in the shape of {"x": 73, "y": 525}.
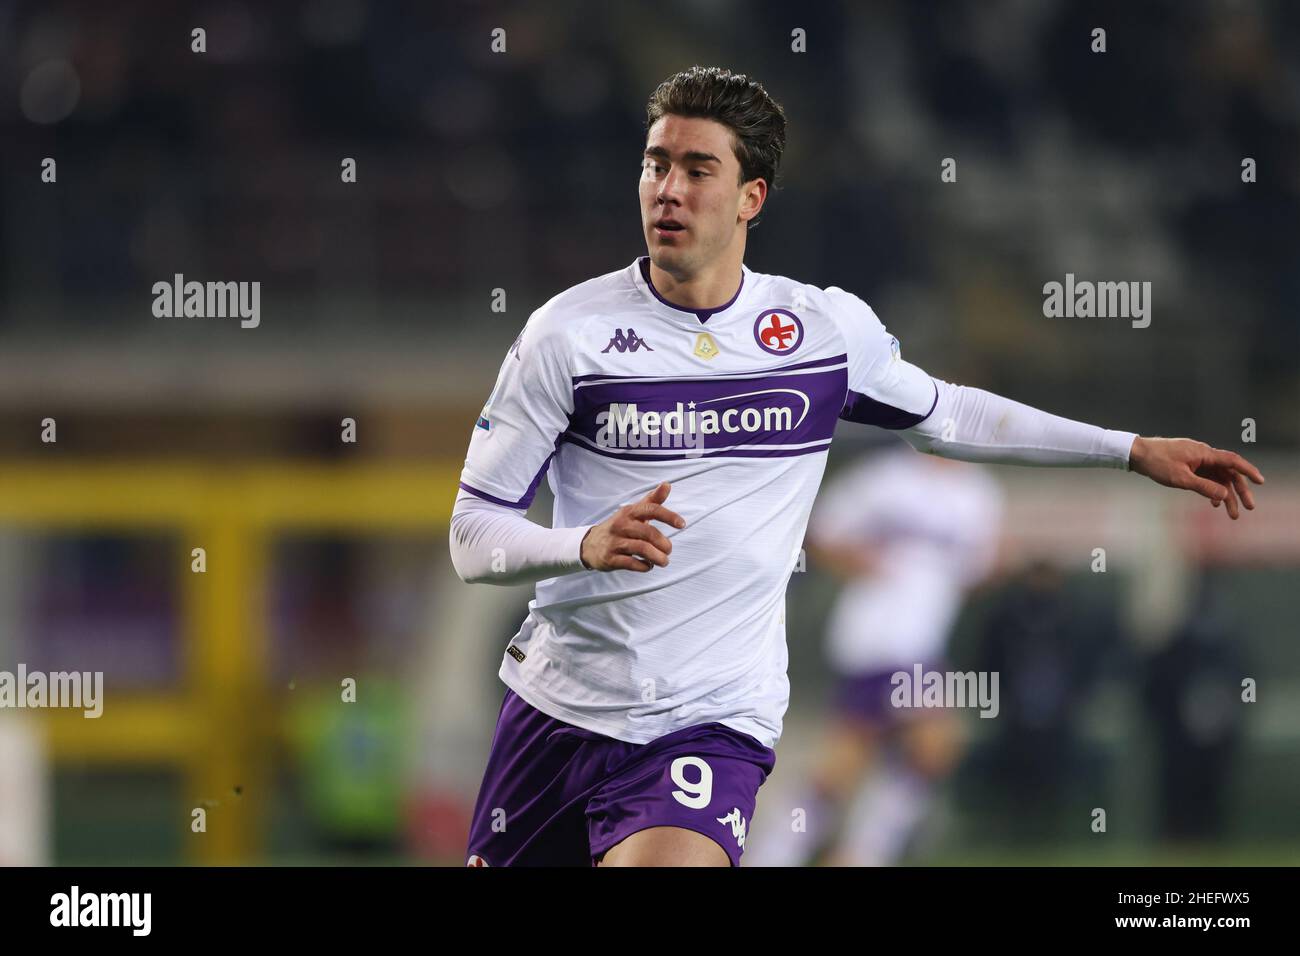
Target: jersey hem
{"x": 561, "y": 713}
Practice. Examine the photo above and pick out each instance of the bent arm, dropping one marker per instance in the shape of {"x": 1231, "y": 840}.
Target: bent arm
{"x": 495, "y": 544}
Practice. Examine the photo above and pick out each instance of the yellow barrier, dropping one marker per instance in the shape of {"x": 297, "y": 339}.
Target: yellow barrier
{"x": 220, "y": 726}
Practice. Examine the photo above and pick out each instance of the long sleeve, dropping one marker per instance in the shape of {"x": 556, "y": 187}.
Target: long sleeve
{"x": 492, "y": 541}
{"x": 496, "y": 544}
{"x": 970, "y": 424}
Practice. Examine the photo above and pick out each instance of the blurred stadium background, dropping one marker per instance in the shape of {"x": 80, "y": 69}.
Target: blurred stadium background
{"x": 516, "y": 171}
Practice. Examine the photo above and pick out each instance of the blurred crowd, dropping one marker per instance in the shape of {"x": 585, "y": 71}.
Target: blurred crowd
{"x": 480, "y": 169}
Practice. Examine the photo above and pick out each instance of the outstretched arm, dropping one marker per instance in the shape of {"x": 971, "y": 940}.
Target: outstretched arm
{"x": 971, "y": 424}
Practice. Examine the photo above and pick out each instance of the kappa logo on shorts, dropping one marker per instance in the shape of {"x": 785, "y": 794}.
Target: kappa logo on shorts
{"x": 476, "y": 860}
{"x": 737, "y": 824}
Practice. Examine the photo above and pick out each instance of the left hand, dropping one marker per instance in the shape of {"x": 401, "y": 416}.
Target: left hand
{"x": 1183, "y": 463}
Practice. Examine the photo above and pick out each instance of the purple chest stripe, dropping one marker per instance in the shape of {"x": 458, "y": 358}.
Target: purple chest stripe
{"x": 755, "y": 415}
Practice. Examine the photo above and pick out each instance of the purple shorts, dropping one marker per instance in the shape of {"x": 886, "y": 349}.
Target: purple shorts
{"x": 865, "y": 696}
{"x": 557, "y": 795}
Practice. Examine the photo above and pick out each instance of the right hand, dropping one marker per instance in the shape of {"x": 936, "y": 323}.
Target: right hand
{"x": 626, "y": 541}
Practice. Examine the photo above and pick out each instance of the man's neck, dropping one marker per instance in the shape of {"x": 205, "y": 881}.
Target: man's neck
{"x": 710, "y": 289}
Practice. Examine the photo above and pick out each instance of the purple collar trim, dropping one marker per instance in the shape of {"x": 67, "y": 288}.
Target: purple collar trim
{"x": 701, "y": 314}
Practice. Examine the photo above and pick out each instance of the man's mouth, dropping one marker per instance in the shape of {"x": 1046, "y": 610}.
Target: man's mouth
{"x": 668, "y": 226}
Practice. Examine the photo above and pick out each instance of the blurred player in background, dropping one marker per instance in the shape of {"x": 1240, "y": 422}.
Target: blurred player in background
{"x": 910, "y": 535}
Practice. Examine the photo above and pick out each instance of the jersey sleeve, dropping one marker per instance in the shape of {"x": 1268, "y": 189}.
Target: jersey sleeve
{"x": 492, "y": 544}
{"x": 884, "y": 390}
{"x": 517, "y": 432}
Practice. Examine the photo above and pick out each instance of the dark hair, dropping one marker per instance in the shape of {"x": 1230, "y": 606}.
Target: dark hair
{"x": 756, "y": 121}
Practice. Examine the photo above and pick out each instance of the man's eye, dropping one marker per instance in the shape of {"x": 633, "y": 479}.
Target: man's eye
{"x": 699, "y": 172}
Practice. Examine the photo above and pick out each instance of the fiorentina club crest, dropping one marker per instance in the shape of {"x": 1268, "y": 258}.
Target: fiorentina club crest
{"x": 778, "y": 331}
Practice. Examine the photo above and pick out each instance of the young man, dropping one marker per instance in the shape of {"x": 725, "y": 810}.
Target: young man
{"x": 647, "y": 684}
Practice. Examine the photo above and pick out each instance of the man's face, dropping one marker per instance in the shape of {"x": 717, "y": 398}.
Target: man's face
{"x": 691, "y": 194}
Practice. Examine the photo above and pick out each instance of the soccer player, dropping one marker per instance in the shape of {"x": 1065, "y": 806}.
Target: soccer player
{"x": 910, "y": 535}
{"x": 647, "y": 683}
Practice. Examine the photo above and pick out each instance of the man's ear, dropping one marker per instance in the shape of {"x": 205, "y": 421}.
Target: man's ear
{"x": 753, "y": 195}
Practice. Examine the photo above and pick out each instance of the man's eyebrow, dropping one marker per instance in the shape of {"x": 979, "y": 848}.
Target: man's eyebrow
{"x": 658, "y": 152}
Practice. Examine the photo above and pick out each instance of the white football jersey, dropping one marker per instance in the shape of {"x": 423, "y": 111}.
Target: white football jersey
{"x": 933, "y": 526}
{"x": 610, "y": 390}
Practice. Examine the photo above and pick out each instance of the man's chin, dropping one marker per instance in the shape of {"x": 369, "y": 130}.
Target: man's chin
{"x": 669, "y": 260}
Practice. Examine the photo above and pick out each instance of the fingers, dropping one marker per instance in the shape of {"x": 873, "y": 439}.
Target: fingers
{"x": 659, "y": 494}
{"x": 1230, "y": 502}
{"x": 635, "y": 549}
{"x": 645, "y": 511}
{"x": 623, "y": 562}
{"x": 1210, "y": 489}
{"x": 650, "y": 508}
{"x": 1243, "y": 490}
{"x": 643, "y": 549}
{"x": 1229, "y": 472}
{"x": 648, "y": 532}
{"x": 630, "y": 543}
{"x": 1230, "y": 459}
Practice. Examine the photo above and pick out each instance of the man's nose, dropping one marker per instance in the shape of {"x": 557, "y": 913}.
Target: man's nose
{"x": 670, "y": 188}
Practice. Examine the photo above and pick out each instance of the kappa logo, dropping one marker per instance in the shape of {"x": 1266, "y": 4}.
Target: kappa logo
{"x": 627, "y": 343}
{"x": 737, "y": 824}
{"x": 778, "y": 331}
